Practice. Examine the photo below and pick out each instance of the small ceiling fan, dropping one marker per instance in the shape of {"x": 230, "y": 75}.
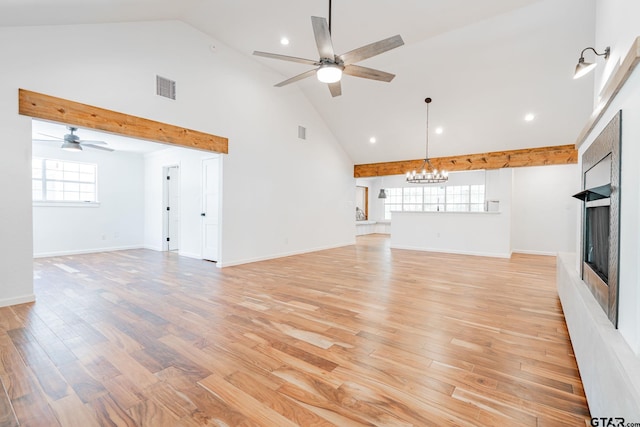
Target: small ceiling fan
{"x": 72, "y": 142}
{"x": 332, "y": 66}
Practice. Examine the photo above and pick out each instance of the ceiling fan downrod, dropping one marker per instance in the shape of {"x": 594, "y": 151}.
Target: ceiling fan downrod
{"x": 329, "y": 16}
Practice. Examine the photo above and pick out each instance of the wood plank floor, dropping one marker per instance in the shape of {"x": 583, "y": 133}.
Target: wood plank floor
{"x": 360, "y": 335}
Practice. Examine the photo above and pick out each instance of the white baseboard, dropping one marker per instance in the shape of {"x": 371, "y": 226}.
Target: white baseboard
{"x": 85, "y": 251}
{"x": 17, "y": 300}
{"x": 528, "y": 252}
{"x": 282, "y": 255}
{"x": 153, "y": 248}
{"x": 451, "y": 251}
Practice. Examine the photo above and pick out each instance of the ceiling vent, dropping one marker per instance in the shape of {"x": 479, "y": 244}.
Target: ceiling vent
{"x": 302, "y": 132}
{"x": 165, "y": 87}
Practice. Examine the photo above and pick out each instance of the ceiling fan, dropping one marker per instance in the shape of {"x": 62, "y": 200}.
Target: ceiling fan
{"x": 332, "y": 66}
{"x": 72, "y": 142}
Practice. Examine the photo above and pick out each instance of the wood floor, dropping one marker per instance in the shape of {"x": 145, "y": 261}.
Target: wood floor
{"x": 360, "y": 335}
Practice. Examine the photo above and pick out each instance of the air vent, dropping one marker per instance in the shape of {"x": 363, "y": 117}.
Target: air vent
{"x": 165, "y": 87}
{"x": 302, "y": 132}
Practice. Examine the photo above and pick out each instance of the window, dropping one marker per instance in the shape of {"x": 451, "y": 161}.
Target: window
{"x": 450, "y": 198}
{"x": 63, "y": 181}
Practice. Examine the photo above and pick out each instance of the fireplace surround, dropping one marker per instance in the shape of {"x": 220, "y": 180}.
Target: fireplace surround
{"x": 599, "y": 261}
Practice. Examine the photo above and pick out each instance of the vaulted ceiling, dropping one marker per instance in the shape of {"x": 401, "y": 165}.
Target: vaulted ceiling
{"x": 486, "y": 64}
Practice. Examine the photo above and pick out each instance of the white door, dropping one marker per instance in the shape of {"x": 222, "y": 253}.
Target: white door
{"x": 210, "y": 208}
{"x": 173, "y": 208}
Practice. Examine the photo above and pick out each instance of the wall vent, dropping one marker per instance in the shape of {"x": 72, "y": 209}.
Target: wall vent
{"x": 165, "y": 87}
{"x": 302, "y": 132}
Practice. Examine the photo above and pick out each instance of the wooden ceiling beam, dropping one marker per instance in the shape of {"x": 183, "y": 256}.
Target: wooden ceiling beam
{"x": 542, "y": 156}
{"x": 61, "y": 110}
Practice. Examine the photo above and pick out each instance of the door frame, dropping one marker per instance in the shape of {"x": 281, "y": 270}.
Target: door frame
{"x": 165, "y": 202}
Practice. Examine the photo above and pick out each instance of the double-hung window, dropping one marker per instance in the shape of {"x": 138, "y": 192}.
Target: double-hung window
{"x": 64, "y": 181}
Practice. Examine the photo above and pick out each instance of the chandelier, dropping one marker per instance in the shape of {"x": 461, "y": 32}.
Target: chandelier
{"x": 429, "y": 174}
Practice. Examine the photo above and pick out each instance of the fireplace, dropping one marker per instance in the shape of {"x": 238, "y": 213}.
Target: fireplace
{"x": 596, "y": 248}
{"x": 600, "y": 218}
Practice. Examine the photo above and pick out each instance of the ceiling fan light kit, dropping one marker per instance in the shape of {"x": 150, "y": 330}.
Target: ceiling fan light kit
{"x": 329, "y": 73}
{"x": 331, "y": 67}
{"x": 71, "y": 146}
{"x": 429, "y": 174}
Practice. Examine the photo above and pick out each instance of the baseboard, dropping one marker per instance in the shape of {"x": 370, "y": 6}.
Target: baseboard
{"x": 220, "y": 264}
{"x": 452, "y": 251}
{"x": 85, "y": 251}
{"x": 153, "y": 248}
{"x": 608, "y": 366}
{"x": 528, "y": 252}
{"x": 17, "y": 300}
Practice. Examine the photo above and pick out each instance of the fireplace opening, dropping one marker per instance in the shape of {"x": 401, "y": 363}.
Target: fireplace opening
{"x": 597, "y": 241}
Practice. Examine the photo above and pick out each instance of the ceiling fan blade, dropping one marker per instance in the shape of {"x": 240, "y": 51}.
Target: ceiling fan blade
{"x": 368, "y": 73}
{"x": 86, "y": 141}
{"x": 323, "y": 38}
{"x": 298, "y": 77}
{"x": 335, "y": 89}
{"x": 286, "y": 58}
{"x": 50, "y": 136}
{"x": 44, "y": 140}
{"x": 97, "y": 147}
{"x": 373, "y": 49}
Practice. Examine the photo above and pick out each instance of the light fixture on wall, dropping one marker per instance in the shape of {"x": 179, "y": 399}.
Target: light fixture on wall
{"x": 583, "y": 68}
{"x": 429, "y": 174}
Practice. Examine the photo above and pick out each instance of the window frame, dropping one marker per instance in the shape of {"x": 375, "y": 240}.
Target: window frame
{"x": 44, "y": 181}
{"x": 452, "y": 196}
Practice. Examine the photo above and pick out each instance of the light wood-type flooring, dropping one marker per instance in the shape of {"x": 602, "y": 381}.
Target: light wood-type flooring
{"x": 359, "y": 335}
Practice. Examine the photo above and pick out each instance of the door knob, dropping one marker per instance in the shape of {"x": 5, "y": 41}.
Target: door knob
{"x": 203, "y": 214}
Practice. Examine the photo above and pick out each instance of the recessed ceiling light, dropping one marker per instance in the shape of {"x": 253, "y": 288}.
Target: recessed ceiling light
{"x": 372, "y": 140}
{"x": 529, "y": 117}
{"x": 284, "y": 41}
{"x": 439, "y": 130}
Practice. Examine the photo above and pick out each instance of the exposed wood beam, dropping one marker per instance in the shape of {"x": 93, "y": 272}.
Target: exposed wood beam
{"x": 558, "y": 155}
{"x": 611, "y": 89}
{"x": 47, "y": 107}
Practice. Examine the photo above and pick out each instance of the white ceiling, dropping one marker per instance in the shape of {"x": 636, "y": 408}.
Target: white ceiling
{"x": 485, "y": 64}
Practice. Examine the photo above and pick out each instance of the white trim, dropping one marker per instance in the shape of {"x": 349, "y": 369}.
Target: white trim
{"x": 17, "y": 300}
{"x": 153, "y": 248}
{"x": 63, "y": 204}
{"x": 221, "y": 264}
{"x": 86, "y": 251}
{"x": 452, "y": 251}
{"x": 528, "y": 252}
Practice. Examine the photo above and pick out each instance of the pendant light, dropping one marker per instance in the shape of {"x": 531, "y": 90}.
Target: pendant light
{"x": 428, "y": 175}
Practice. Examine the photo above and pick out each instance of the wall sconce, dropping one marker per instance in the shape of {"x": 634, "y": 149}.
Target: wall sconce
{"x": 583, "y": 68}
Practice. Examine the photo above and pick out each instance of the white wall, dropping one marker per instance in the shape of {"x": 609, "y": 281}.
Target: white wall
{"x": 190, "y": 166}
{"x": 223, "y": 93}
{"x": 543, "y": 211}
{"x": 115, "y": 224}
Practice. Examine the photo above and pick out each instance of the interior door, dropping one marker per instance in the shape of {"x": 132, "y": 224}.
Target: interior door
{"x": 210, "y": 208}
{"x": 173, "y": 208}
